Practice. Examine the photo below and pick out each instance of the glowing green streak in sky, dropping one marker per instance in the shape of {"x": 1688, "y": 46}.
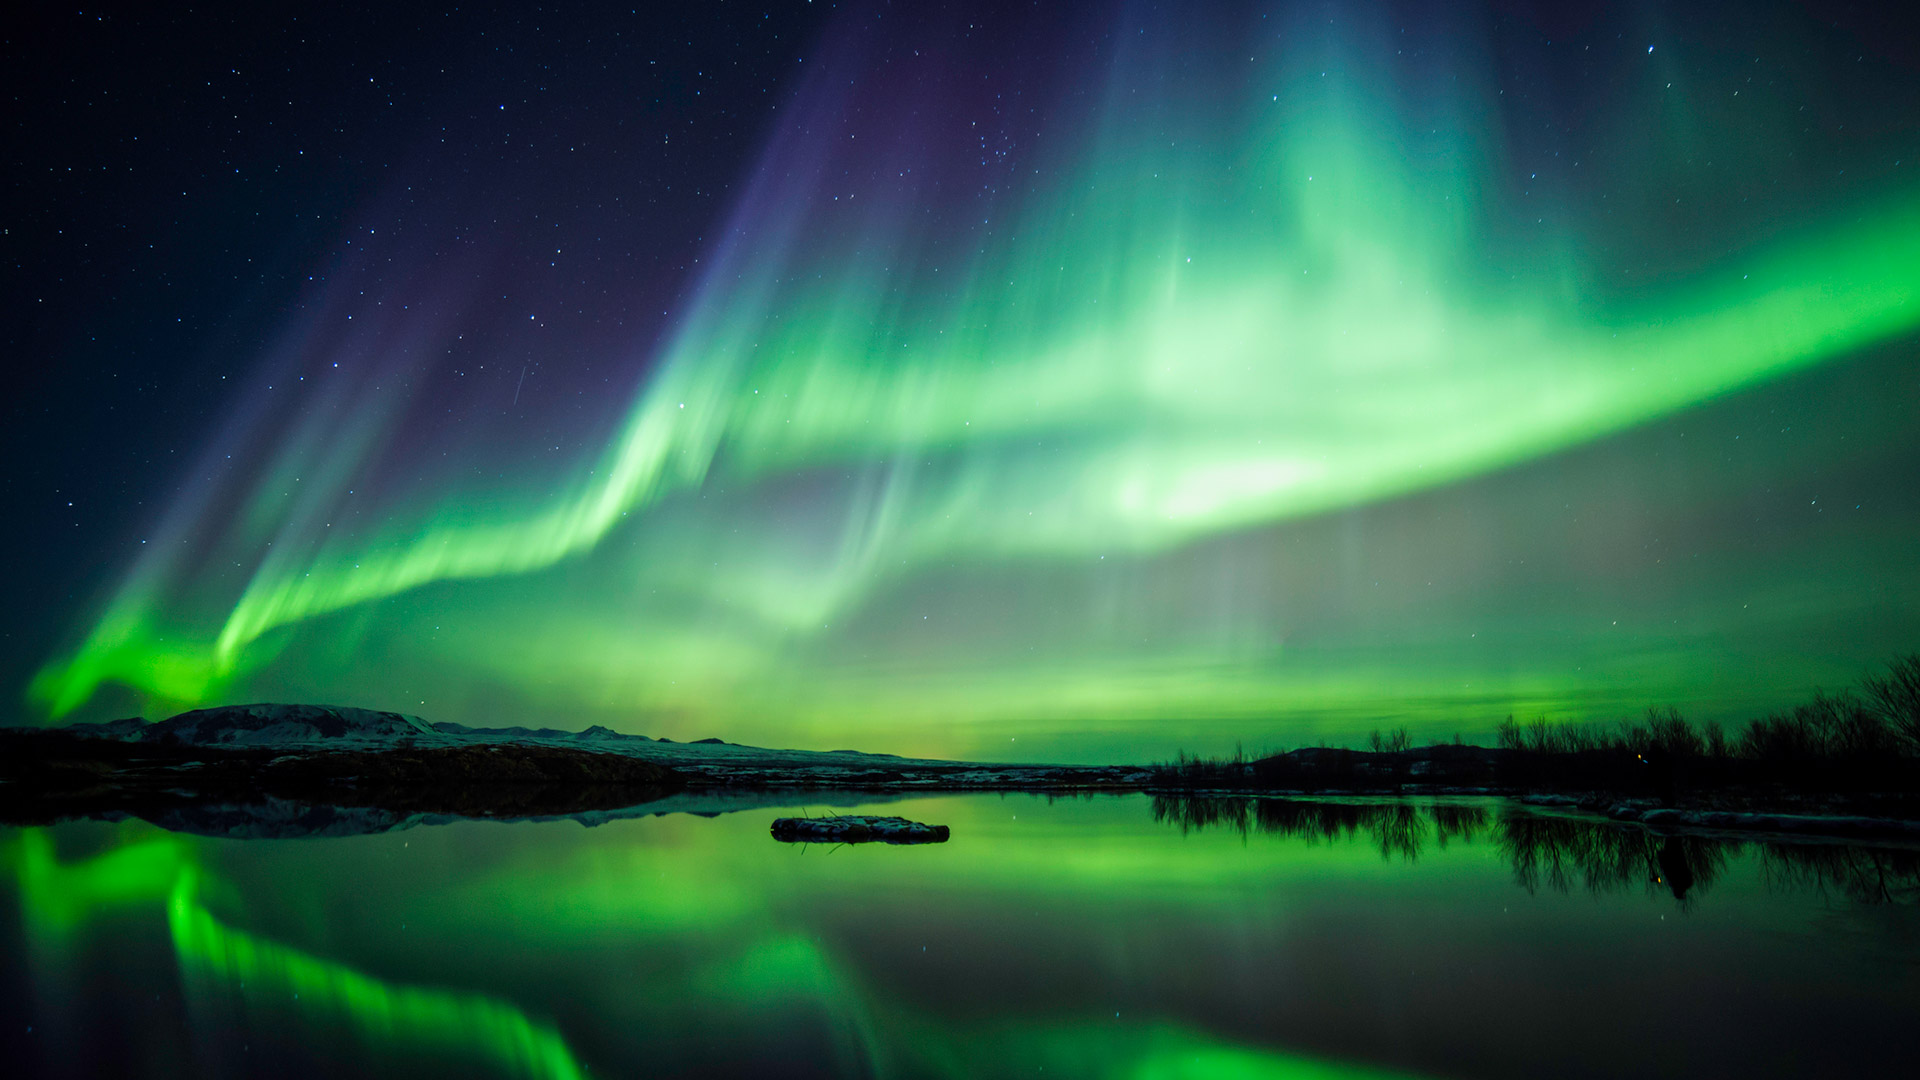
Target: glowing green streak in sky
{"x": 436, "y": 1020}
{"x": 1127, "y": 367}
{"x": 128, "y": 648}
{"x": 1442, "y": 420}
{"x": 1803, "y": 305}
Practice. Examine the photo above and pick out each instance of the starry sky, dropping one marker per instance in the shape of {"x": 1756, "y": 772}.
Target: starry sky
{"x": 1077, "y": 381}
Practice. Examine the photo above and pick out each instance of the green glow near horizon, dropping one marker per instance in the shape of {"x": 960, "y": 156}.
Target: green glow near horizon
{"x": 1291, "y": 313}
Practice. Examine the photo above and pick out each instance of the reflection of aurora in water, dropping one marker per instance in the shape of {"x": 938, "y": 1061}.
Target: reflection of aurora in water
{"x": 218, "y": 960}
{"x": 757, "y": 979}
{"x": 424, "y": 1021}
{"x": 681, "y": 944}
{"x": 1206, "y": 311}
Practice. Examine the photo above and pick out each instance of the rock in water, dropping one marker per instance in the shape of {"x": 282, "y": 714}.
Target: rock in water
{"x": 857, "y": 829}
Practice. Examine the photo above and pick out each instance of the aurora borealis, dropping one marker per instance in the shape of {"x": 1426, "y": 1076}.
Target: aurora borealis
{"x": 1081, "y": 383}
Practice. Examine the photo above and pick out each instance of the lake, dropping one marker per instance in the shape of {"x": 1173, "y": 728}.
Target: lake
{"x": 1104, "y": 937}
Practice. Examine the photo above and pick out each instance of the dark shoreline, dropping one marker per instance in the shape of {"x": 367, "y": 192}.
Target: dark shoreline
{"x": 347, "y": 761}
{"x": 48, "y": 776}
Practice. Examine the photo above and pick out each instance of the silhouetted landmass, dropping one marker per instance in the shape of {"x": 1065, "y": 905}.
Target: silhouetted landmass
{"x": 266, "y": 759}
{"x": 1853, "y": 754}
{"x": 49, "y": 775}
{"x": 1845, "y": 764}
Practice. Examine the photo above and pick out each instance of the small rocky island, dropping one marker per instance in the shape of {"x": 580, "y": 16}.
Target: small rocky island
{"x": 857, "y": 829}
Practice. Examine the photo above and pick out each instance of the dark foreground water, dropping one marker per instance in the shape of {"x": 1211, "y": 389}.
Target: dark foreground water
{"x": 1106, "y": 937}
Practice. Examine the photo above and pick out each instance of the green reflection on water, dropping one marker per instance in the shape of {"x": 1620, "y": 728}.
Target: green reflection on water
{"x": 766, "y": 972}
{"x": 434, "y": 1020}
{"x": 1087, "y": 1049}
{"x": 60, "y": 897}
{"x": 1112, "y": 939}
{"x": 1159, "y": 1053}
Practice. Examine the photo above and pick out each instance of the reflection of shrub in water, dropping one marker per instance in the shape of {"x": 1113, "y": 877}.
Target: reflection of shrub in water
{"x": 1558, "y": 853}
{"x": 1400, "y": 830}
{"x": 1863, "y": 875}
{"x": 1197, "y": 812}
{"x": 1396, "y": 828}
{"x": 1452, "y": 820}
{"x": 1312, "y": 821}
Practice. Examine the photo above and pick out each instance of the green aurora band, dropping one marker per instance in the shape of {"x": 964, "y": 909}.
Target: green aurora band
{"x": 1202, "y": 320}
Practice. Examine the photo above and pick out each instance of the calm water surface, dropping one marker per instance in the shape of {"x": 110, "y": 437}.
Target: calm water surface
{"x": 1115, "y": 937}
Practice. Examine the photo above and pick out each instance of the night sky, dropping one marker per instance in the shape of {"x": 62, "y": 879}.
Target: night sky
{"x": 1075, "y": 381}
